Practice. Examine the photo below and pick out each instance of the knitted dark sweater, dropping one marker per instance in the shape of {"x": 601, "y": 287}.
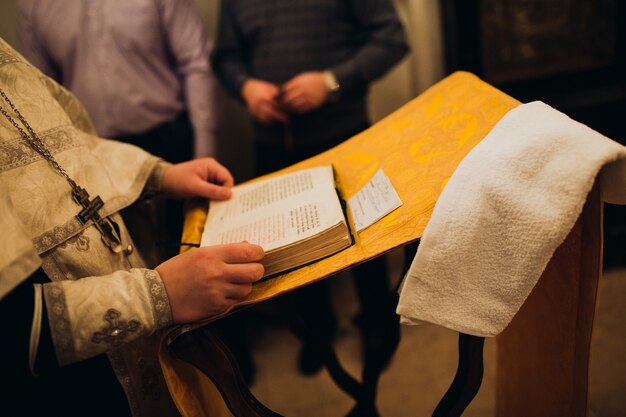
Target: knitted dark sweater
{"x": 273, "y": 40}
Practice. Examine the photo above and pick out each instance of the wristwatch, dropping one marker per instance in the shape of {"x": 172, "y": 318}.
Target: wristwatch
{"x": 331, "y": 84}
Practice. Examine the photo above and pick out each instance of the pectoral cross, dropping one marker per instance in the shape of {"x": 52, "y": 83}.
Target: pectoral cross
{"x": 110, "y": 236}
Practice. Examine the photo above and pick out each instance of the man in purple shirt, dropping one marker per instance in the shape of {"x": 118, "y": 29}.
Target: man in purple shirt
{"x": 141, "y": 69}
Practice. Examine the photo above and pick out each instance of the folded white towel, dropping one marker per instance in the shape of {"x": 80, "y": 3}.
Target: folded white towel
{"x": 510, "y": 203}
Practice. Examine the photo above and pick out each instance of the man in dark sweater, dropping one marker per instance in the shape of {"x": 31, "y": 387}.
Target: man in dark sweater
{"x": 303, "y": 69}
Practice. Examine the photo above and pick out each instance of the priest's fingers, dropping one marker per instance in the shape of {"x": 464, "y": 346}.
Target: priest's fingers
{"x": 212, "y": 191}
{"x": 237, "y": 292}
{"x": 237, "y": 253}
{"x": 217, "y": 173}
{"x": 215, "y": 180}
{"x": 205, "y": 281}
{"x": 189, "y": 179}
{"x": 243, "y": 273}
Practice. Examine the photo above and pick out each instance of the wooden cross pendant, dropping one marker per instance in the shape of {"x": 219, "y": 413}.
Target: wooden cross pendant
{"x": 110, "y": 235}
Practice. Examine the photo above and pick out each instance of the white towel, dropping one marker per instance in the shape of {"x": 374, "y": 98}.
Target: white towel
{"x": 510, "y": 203}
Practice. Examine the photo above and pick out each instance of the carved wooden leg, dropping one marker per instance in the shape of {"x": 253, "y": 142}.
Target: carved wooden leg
{"x": 468, "y": 378}
{"x": 203, "y": 349}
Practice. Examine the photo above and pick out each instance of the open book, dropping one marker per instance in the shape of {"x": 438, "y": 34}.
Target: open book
{"x": 297, "y": 218}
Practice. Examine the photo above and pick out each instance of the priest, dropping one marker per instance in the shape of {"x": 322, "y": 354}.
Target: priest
{"x": 81, "y": 314}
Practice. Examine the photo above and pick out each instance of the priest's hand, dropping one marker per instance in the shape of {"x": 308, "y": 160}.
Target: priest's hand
{"x": 202, "y": 177}
{"x": 206, "y": 281}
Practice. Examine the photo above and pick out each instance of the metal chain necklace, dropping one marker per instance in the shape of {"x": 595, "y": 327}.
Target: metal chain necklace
{"x": 106, "y": 226}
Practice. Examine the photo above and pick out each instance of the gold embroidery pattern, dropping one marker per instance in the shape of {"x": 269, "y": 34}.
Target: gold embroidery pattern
{"x": 60, "y": 323}
{"x": 15, "y": 153}
{"x": 7, "y": 58}
{"x": 150, "y": 379}
{"x": 80, "y": 241}
{"x": 58, "y": 235}
{"x": 117, "y": 329}
{"x": 158, "y": 297}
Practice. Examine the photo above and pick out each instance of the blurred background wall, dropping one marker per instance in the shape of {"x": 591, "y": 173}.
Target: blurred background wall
{"x": 570, "y": 54}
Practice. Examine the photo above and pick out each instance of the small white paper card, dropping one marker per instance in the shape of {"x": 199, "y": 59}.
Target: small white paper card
{"x": 375, "y": 200}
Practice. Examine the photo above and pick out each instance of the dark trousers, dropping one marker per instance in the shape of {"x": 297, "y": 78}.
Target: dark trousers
{"x": 172, "y": 141}
{"x": 160, "y": 222}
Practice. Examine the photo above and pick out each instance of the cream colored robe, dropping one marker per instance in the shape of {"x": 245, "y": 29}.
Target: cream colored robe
{"x": 98, "y": 301}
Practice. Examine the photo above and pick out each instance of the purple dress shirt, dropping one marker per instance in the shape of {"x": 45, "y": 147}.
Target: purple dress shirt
{"x": 134, "y": 64}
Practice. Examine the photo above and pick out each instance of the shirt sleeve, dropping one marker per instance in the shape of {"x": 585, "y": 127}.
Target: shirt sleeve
{"x": 28, "y": 43}
{"x": 382, "y": 44}
{"x": 230, "y": 57}
{"x": 93, "y": 315}
{"x": 190, "y": 49}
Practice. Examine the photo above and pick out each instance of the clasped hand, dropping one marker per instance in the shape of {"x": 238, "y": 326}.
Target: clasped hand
{"x": 270, "y": 103}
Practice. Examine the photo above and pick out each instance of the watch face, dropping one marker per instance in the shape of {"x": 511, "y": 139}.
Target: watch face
{"x": 331, "y": 82}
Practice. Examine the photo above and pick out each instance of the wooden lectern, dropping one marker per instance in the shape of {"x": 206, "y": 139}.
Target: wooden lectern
{"x": 543, "y": 354}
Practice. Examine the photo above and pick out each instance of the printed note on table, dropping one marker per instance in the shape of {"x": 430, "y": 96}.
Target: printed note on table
{"x": 372, "y": 202}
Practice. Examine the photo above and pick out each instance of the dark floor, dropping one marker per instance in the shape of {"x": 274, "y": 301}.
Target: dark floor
{"x": 425, "y": 363}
